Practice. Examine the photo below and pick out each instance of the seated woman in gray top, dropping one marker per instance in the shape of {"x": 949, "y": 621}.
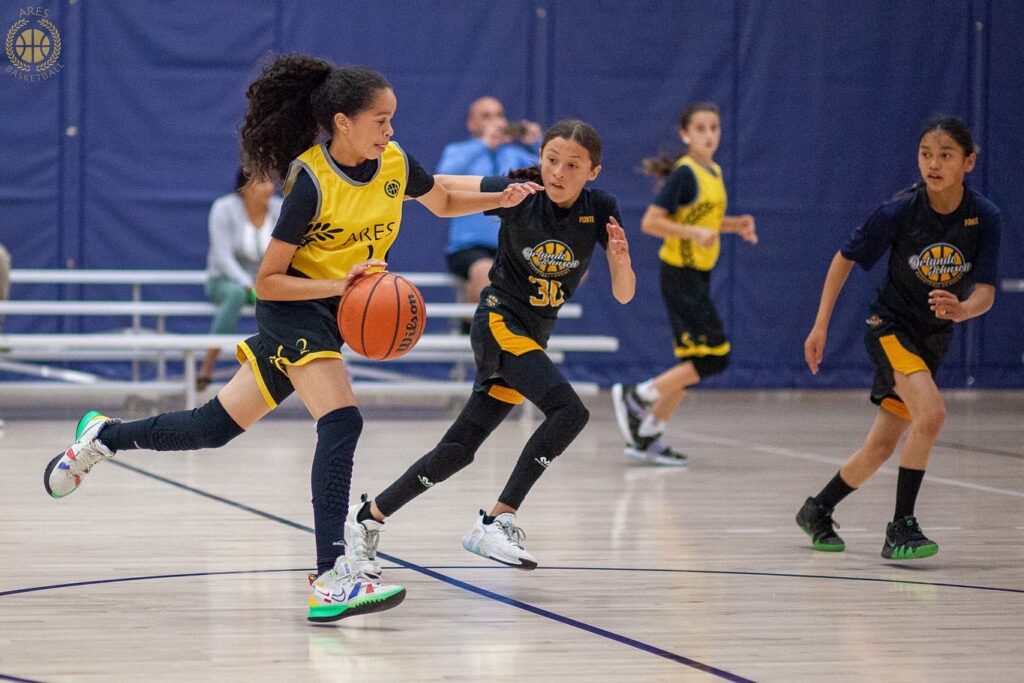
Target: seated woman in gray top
{"x": 240, "y": 228}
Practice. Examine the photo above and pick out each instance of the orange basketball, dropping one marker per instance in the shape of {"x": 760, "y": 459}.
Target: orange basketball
{"x": 382, "y": 316}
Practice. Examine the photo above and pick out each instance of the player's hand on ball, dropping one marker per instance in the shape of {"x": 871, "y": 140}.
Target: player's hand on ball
{"x": 517, "y": 192}
{"x": 359, "y": 270}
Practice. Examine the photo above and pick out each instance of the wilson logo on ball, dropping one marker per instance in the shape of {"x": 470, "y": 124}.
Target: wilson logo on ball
{"x": 381, "y": 316}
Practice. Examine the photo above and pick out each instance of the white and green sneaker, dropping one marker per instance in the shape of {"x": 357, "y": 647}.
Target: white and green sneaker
{"x": 65, "y": 472}
{"x": 340, "y": 593}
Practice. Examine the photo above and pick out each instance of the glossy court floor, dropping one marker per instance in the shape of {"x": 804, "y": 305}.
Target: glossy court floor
{"x": 193, "y": 566}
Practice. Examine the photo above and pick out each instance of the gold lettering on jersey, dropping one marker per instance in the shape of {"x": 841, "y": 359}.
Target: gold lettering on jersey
{"x": 586, "y": 219}
{"x": 970, "y": 221}
{"x": 939, "y": 265}
{"x": 372, "y": 233}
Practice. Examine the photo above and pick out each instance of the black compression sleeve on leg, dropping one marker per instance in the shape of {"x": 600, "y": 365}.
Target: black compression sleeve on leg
{"x": 565, "y": 418}
{"x": 208, "y": 426}
{"x": 331, "y": 478}
{"x": 456, "y": 450}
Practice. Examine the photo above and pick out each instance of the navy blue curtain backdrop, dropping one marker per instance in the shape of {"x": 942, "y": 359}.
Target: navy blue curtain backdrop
{"x": 112, "y": 159}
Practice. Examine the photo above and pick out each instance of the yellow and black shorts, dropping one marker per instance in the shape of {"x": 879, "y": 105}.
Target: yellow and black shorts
{"x": 290, "y": 333}
{"x": 893, "y": 349}
{"x": 697, "y": 331}
{"x": 503, "y": 346}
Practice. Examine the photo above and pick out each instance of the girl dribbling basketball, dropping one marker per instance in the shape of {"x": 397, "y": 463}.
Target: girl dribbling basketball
{"x": 320, "y": 245}
{"x": 544, "y": 248}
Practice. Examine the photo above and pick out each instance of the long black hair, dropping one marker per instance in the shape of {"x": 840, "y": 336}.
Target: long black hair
{"x": 573, "y": 130}
{"x": 661, "y": 165}
{"x": 293, "y": 99}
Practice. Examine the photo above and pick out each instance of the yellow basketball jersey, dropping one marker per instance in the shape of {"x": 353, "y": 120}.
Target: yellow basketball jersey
{"x": 707, "y": 210}
{"x": 354, "y": 221}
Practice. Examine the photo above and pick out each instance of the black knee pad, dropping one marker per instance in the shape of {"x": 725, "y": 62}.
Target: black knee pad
{"x": 214, "y": 423}
{"x": 563, "y": 405}
{"x": 445, "y": 460}
{"x": 706, "y": 366}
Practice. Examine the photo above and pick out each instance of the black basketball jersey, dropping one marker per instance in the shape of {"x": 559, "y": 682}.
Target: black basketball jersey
{"x": 928, "y": 250}
{"x": 544, "y": 250}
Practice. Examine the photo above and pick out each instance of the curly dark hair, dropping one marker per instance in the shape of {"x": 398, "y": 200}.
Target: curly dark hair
{"x": 294, "y": 98}
{"x": 573, "y": 130}
{"x": 661, "y": 166}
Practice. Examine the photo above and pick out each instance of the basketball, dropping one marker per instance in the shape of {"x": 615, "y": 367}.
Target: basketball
{"x": 381, "y": 316}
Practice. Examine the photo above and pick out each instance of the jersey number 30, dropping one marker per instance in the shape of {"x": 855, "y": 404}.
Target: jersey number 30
{"x": 549, "y": 293}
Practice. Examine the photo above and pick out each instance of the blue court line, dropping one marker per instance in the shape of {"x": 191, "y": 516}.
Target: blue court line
{"x": 625, "y": 640}
{"x": 5, "y": 677}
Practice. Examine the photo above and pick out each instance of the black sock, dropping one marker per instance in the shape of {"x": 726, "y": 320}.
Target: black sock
{"x": 336, "y": 435}
{"x": 833, "y": 493}
{"x": 208, "y": 426}
{"x": 488, "y": 519}
{"x": 908, "y": 483}
{"x": 364, "y": 513}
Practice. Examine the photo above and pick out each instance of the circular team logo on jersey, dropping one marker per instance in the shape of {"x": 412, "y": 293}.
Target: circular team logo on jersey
{"x": 33, "y": 46}
{"x": 940, "y": 265}
{"x": 391, "y": 188}
{"x": 551, "y": 258}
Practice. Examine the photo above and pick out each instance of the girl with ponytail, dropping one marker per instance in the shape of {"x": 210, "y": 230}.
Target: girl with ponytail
{"x": 326, "y": 133}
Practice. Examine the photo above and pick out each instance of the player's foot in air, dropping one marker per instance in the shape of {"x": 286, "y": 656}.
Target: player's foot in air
{"x": 500, "y": 540}
{"x": 66, "y": 471}
{"x": 341, "y": 592}
{"x": 630, "y": 411}
{"x": 361, "y": 539}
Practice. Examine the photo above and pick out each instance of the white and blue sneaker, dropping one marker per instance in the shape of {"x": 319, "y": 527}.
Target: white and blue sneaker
{"x": 341, "y": 592}
{"x": 501, "y": 541}
{"x": 630, "y": 411}
{"x": 361, "y": 539}
{"x": 65, "y": 472}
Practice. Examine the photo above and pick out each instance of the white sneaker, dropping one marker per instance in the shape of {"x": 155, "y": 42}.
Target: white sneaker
{"x": 65, "y": 472}
{"x": 501, "y": 541}
{"x": 657, "y": 453}
{"x": 361, "y": 540}
{"x": 342, "y": 592}
{"x": 630, "y": 411}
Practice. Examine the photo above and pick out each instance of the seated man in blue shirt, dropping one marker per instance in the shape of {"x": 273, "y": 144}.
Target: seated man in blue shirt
{"x": 495, "y": 148}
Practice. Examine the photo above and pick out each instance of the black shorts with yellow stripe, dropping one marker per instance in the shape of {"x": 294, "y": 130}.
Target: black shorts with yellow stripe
{"x": 503, "y": 346}
{"x": 290, "y": 333}
{"x": 893, "y": 348}
{"x": 697, "y": 330}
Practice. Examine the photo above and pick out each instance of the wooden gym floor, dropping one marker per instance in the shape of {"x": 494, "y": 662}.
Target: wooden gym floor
{"x": 193, "y": 566}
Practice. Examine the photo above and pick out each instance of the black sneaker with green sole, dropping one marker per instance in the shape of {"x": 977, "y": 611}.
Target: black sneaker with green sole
{"x": 817, "y": 523}
{"x": 904, "y": 540}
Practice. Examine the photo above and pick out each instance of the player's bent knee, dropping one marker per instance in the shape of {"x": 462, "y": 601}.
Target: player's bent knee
{"x": 445, "y": 460}
{"x": 563, "y": 405}
{"x": 706, "y": 366}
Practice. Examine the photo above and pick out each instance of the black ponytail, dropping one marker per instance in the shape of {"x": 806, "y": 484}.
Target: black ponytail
{"x": 295, "y": 98}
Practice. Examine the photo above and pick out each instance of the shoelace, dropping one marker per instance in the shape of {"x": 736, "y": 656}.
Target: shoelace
{"x": 514, "y": 534}
{"x": 85, "y": 459}
{"x": 365, "y": 552}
